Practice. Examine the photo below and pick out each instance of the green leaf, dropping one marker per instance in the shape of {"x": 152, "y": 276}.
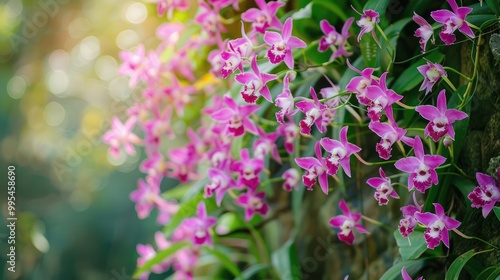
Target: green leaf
{"x": 369, "y": 50}
{"x": 160, "y": 257}
{"x": 332, "y": 7}
{"x": 285, "y": 260}
{"x": 395, "y": 271}
{"x": 461, "y": 126}
{"x": 456, "y": 267}
{"x": 411, "y": 77}
{"x": 494, "y": 6}
{"x": 377, "y": 5}
{"x": 253, "y": 270}
{"x": 496, "y": 209}
{"x": 303, "y": 13}
{"x": 188, "y": 209}
{"x": 229, "y": 222}
{"x": 225, "y": 260}
{"x": 491, "y": 272}
{"x": 412, "y": 247}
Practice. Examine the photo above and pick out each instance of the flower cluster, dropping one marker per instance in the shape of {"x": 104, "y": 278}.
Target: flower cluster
{"x": 238, "y": 145}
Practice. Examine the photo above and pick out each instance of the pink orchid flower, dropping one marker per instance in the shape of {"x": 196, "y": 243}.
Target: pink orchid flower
{"x": 389, "y": 133}
{"x": 253, "y": 203}
{"x": 264, "y": 17}
{"x": 255, "y": 84}
{"x": 340, "y": 152}
{"x": 265, "y": 145}
{"x": 183, "y": 164}
{"x": 367, "y": 23}
{"x": 347, "y": 223}
{"x": 248, "y": 169}
{"x": 424, "y": 32}
{"x": 438, "y": 226}
{"x": 440, "y": 118}
{"x": 146, "y": 252}
{"x": 200, "y": 226}
{"x": 236, "y": 117}
{"x": 157, "y": 128}
{"x": 333, "y": 40}
{"x": 359, "y": 84}
{"x": 282, "y": 45}
{"x": 292, "y": 179}
{"x": 381, "y": 97}
{"x": 185, "y": 261}
{"x": 315, "y": 168}
{"x": 452, "y": 21}
{"x": 408, "y": 223}
{"x": 209, "y": 20}
{"x": 290, "y": 132}
{"x": 166, "y": 209}
{"x": 431, "y": 72}
{"x": 121, "y": 135}
{"x": 154, "y": 165}
{"x": 405, "y": 275}
{"x": 487, "y": 194}
{"x": 285, "y": 100}
{"x": 168, "y": 7}
{"x": 220, "y": 182}
{"x": 216, "y": 63}
{"x": 133, "y": 65}
{"x": 237, "y": 50}
{"x": 383, "y": 188}
{"x": 421, "y": 167}
{"x": 313, "y": 114}
{"x": 145, "y": 197}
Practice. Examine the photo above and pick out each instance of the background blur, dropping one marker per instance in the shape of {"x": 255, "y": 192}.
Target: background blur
{"x": 58, "y": 91}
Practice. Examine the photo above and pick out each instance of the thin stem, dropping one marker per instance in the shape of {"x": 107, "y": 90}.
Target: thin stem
{"x": 449, "y": 83}
{"x": 405, "y": 106}
{"x": 375, "y": 222}
{"x": 473, "y": 237}
{"x": 272, "y": 180}
{"x": 372, "y": 163}
{"x": 456, "y": 71}
{"x": 354, "y": 113}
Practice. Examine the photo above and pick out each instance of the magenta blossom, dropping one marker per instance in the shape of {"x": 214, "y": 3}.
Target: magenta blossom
{"x": 285, "y": 99}
{"x": 424, "y": 32}
{"x": 389, "y": 133}
{"x": 237, "y": 50}
{"x": 255, "y": 84}
{"x": 407, "y": 277}
{"x": 290, "y": 132}
{"x": 315, "y": 167}
{"x": 266, "y": 144}
{"x": 367, "y": 23}
{"x": 282, "y": 45}
{"x": 340, "y": 152}
{"x": 199, "y": 226}
{"x": 264, "y": 17}
{"x": 145, "y": 197}
{"x": 168, "y": 7}
{"x": 220, "y": 182}
{"x": 253, "y": 203}
{"x": 440, "y": 118}
{"x": 248, "y": 169}
{"x": 292, "y": 179}
{"x": 438, "y": 226}
{"x": 133, "y": 65}
{"x": 333, "y": 40}
{"x": 421, "y": 167}
{"x": 313, "y": 114}
{"x": 121, "y": 135}
{"x": 452, "y": 21}
{"x": 408, "y": 223}
{"x": 431, "y": 72}
{"x": 347, "y": 223}
{"x": 383, "y": 188}
{"x": 381, "y": 97}
{"x": 359, "y": 84}
{"x": 487, "y": 194}
{"x": 236, "y": 117}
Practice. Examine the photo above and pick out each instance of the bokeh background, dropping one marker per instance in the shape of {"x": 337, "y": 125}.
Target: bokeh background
{"x": 58, "y": 91}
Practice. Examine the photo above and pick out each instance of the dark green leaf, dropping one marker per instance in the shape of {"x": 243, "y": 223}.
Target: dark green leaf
{"x": 285, "y": 261}
{"x": 461, "y": 126}
{"x": 377, "y": 5}
{"x": 412, "y": 247}
{"x": 332, "y": 7}
{"x": 160, "y": 257}
{"x": 369, "y": 49}
{"x": 496, "y": 209}
{"x": 395, "y": 271}
{"x": 225, "y": 260}
{"x": 456, "y": 267}
{"x": 494, "y": 6}
{"x": 386, "y": 54}
{"x": 491, "y": 272}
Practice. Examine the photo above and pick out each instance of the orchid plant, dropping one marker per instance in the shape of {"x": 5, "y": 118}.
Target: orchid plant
{"x": 247, "y": 161}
